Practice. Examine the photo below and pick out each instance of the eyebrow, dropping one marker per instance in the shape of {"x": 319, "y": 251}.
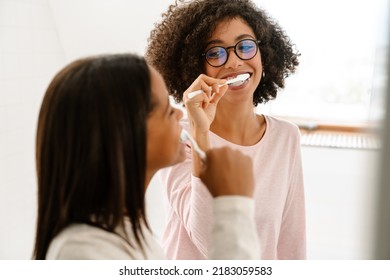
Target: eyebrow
{"x": 238, "y": 38}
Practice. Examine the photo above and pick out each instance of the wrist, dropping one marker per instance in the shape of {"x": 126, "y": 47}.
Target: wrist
{"x": 202, "y": 138}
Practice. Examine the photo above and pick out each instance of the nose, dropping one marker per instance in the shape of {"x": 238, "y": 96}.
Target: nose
{"x": 233, "y": 60}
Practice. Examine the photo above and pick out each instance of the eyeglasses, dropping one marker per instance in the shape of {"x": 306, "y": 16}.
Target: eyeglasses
{"x": 244, "y": 49}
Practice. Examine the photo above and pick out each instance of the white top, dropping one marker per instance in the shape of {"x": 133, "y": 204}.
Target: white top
{"x": 234, "y": 235}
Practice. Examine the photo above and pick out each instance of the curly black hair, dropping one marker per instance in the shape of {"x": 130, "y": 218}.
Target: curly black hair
{"x": 176, "y": 44}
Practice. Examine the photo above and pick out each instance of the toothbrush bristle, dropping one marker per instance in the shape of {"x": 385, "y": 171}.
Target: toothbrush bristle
{"x": 239, "y": 78}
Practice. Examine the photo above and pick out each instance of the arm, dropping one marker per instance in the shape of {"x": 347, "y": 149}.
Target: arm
{"x": 292, "y": 238}
{"x": 228, "y": 174}
{"x": 190, "y": 202}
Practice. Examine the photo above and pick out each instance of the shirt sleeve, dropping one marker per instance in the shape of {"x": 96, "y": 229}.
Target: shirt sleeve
{"x": 234, "y": 229}
{"x": 292, "y": 238}
{"x": 191, "y": 202}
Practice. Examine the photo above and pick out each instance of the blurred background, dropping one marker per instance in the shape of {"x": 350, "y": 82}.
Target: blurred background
{"x": 337, "y": 97}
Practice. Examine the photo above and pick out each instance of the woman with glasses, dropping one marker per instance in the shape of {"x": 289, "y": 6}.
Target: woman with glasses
{"x": 197, "y": 47}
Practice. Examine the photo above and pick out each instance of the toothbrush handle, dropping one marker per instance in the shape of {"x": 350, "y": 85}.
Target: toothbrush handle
{"x": 197, "y": 92}
{"x": 200, "y": 152}
{"x": 195, "y": 145}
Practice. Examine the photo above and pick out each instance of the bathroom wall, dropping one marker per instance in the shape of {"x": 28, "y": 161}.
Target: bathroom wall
{"x": 341, "y": 187}
{"x": 30, "y": 53}
{"x": 38, "y": 37}
{"x": 98, "y": 26}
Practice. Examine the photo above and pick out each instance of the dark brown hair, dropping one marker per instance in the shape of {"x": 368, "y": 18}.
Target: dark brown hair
{"x": 91, "y": 147}
{"x": 176, "y": 44}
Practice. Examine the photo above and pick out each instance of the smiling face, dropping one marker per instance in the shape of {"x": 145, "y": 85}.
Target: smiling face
{"x": 164, "y": 147}
{"x": 228, "y": 33}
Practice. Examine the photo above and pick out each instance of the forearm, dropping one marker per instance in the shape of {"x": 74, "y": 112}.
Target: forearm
{"x": 191, "y": 203}
{"x": 201, "y": 136}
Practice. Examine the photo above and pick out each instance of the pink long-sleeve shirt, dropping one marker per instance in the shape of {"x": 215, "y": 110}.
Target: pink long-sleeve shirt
{"x": 278, "y": 195}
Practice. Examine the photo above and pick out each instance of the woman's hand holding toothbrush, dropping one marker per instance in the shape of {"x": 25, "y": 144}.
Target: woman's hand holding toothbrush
{"x": 201, "y": 108}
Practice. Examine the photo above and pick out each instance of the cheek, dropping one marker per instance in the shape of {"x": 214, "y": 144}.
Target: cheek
{"x": 164, "y": 148}
{"x": 211, "y": 71}
{"x": 154, "y": 146}
{"x": 258, "y": 64}
{"x": 174, "y": 149}
{"x": 150, "y": 150}
{"x": 258, "y": 67}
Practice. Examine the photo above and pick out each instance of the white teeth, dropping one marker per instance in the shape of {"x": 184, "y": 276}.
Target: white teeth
{"x": 238, "y": 80}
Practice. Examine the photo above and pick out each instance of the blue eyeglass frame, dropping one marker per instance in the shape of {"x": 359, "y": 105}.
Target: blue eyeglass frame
{"x": 257, "y": 42}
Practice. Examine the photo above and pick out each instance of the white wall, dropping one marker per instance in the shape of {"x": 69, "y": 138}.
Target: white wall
{"x": 340, "y": 186}
{"x": 30, "y": 53}
{"x": 38, "y": 37}
{"x": 90, "y": 27}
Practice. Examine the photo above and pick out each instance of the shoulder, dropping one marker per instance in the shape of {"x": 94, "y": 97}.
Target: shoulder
{"x": 281, "y": 124}
{"x": 81, "y": 241}
{"x": 282, "y": 132}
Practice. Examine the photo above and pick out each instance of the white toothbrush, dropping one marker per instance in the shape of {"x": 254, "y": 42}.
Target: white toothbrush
{"x": 185, "y": 135}
{"x": 238, "y": 78}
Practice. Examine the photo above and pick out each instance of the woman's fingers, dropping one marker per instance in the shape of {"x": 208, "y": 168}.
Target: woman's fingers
{"x": 204, "y": 84}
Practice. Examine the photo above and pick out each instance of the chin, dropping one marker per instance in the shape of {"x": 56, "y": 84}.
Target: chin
{"x": 181, "y": 157}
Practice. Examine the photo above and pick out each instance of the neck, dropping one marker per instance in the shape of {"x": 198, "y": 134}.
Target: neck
{"x": 238, "y": 124}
